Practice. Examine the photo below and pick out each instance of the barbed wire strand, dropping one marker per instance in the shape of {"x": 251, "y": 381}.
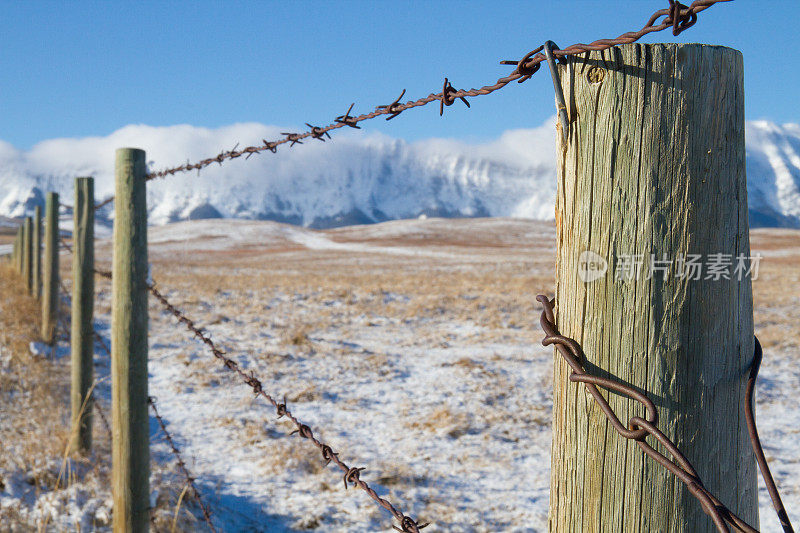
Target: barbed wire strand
{"x": 638, "y": 428}
{"x": 677, "y": 16}
{"x": 351, "y": 474}
{"x": 190, "y": 480}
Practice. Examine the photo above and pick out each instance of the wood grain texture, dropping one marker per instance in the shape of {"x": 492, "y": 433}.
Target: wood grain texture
{"x": 654, "y": 164}
{"x": 130, "y": 421}
{"x": 82, "y": 338}
{"x": 36, "y": 257}
{"x": 50, "y": 274}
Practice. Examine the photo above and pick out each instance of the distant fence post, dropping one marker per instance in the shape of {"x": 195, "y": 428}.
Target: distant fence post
{"x": 651, "y": 186}
{"x": 131, "y": 447}
{"x": 16, "y": 253}
{"x": 50, "y": 263}
{"x": 27, "y": 253}
{"x": 20, "y": 240}
{"x": 36, "y": 244}
{"x": 82, "y": 338}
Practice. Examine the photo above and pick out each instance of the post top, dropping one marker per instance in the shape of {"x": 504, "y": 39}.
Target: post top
{"x": 128, "y": 149}
{"x": 679, "y": 46}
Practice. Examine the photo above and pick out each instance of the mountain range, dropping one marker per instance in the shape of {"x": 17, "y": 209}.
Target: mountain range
{"x": 357, "y": 177}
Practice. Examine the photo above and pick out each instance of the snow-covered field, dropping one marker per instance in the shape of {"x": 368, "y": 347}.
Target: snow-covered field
{"x": 412, "y": 347}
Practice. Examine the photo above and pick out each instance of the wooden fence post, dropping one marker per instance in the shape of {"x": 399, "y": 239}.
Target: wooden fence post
{"x": 27, "y": 253}
{"x": 15, "y": 257}
{"x": 20, "y": 235}
{"x": 131, "y": 448}
{"x": 653, "y": 170}
{"x": 82, "y": 315}
{"x": 36, "y": 258}
{"x": 50, "y": 263}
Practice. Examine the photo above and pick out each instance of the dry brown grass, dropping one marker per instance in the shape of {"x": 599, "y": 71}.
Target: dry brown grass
{"x": 36, "y": 429}
{"x": 37, "y": 387}
{"x": 34, "y": 433}
{"x": 776, "y": 292}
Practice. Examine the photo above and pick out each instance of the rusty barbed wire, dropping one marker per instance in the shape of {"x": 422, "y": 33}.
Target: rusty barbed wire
{"x": 351, "y": 474}
{"x": 104, "y": 420}
{"x": 638, "y": 428}
{"x": 190, "y": 480}
{"x": 677, "y": 16}
{"x": 103, "y": 203}
{"x": 68, "y": 207}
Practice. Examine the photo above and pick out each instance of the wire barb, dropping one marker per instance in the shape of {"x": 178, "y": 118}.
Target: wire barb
{"x": 393, "y": 109}
{"x": 294, "y": 138}
{"x": 352, "y": 476}
{"x": 318, "y": 132}
{"x": 408, "y": 525}
{"x": 681, "y": 16}
{"x": 347, "y": 120}
{"x": 449, "y": 95}
{"x": 525, "y": 66}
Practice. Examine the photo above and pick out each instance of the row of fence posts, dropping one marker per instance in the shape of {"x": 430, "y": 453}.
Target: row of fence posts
{"x": 40, "y": 274}
{"x": 130, "y": 420}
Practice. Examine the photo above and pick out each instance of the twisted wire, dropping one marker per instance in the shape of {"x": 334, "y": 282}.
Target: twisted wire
{"x": 638, "y": 428}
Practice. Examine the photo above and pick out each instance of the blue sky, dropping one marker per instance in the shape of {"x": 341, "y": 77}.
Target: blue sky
{"x": 75, "y": 69}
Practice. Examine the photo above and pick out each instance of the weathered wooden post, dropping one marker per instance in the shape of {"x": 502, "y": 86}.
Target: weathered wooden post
{"x": 50, "y": 263}
{"x": 27, "y": 253}
{"x": 131, "y": 450}
{"x": 36, "y": 258}
{"x": 16, "y": 255}
{"x": 82, "y": 315}
{"x": 652, "y": 175}
{"x": 20, "y": 237}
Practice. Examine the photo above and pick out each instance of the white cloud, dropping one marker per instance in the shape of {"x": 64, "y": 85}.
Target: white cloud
{"x": 370, "y": 172}
{"x": 357, "y": 175}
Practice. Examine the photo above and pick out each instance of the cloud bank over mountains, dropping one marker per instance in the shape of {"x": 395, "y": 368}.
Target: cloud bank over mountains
{"x": 356, "y": 178}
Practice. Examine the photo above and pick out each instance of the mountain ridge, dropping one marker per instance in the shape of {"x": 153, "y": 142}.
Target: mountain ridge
{"x": 359, "y": 178}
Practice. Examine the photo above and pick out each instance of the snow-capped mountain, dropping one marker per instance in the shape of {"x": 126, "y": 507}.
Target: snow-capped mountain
{"x": 358, "y": 177}
{"x": 773, "y": 173}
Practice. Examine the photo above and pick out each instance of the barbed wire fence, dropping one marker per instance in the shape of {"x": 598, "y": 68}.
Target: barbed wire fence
{"x": 678, "y": 17}
{"x": 189, "y": 479}
{"x": 351, "y": 475}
